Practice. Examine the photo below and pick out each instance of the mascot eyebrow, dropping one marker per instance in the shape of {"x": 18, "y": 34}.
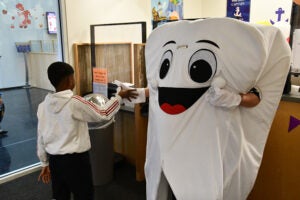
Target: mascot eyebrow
{"x": 170, "y": 42}
{"x": 209, "y": 42}
{"x": 199, "y": 41}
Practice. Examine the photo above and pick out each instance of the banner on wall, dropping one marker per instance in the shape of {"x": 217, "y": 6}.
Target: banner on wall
{"x": 17, "y": 16}
{"x": 166, "y": 10}
{"x": 239, "y": 9}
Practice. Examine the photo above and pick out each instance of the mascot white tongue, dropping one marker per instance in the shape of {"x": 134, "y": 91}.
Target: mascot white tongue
{"x": 204, "y": 151}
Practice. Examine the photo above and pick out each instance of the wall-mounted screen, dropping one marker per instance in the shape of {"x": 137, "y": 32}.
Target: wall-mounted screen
{"x": 51, "y": 22}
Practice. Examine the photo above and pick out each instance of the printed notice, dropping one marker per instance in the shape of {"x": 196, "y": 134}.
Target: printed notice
{"x": 100, "y": 75}
{"x": 100, "y": 81}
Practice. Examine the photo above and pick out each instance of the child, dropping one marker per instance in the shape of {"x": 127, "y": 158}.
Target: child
{"x": 63, "y": 137}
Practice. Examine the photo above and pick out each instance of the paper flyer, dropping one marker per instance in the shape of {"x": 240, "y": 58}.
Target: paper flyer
{"x": 100, "y": 81}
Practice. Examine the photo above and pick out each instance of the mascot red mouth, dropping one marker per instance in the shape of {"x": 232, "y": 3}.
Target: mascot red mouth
{"x": 174, "y": 101}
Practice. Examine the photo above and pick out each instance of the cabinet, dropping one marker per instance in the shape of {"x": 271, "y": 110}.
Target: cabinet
{"x": 115, "y": 57}
{"x": 279, "y": 175}
{"x": 124, "y": 62}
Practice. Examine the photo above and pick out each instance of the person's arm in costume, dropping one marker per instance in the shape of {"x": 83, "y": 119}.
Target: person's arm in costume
{"x": 227, "y": 99}
{"x": 250, "y": 99}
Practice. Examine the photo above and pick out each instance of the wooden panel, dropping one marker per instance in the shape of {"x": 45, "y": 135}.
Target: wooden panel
{"x": 82, "y": 67}
{"x": 140, "y": 80}
{"x": 130, "y": 131}
{"x": 116, "y": 57}
{"x": 124, "y": 135}
{"x": 141, "y": 122}
{"x": 279, "y": 174}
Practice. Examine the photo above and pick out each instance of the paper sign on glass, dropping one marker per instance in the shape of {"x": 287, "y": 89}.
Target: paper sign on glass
{"x": 100, "y": 81}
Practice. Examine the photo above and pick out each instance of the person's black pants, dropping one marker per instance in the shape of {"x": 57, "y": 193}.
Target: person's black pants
{"x": 71, "y": 173}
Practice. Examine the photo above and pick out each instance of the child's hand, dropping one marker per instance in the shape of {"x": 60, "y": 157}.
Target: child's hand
{"x": 128, "y": 94}
{"x": 45, "y": 175}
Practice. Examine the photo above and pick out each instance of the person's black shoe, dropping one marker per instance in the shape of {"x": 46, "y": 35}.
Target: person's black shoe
{"x": 3, "y": 132}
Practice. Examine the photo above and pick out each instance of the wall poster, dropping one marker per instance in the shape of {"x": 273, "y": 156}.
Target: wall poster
{"x": 166, "y": 10}
{"x": 238, "y": 9}
{"x": 51, "y": 22}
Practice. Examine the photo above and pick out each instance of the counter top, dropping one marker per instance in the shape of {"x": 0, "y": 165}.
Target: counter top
{"x": 291, "y": 98}
{"x": 127, "y": 108}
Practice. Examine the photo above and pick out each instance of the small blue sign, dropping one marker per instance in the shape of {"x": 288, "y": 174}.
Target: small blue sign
{"x": 239, "y": 9}
{"x": 23, "y": 47}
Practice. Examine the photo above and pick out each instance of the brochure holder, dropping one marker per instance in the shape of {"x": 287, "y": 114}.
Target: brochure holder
{"x": 24, "y": 47}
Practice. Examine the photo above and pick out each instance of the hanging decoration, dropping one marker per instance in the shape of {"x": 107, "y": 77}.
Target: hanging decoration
{"x": 18, "y": 15}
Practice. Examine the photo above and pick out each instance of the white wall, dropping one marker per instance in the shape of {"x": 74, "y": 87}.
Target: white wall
{"x": 214, "y": 8}
{"x": 38, "y": 64}
{"x": 13, "y": 29}
{"x": 79, "y": 15}
{"x": 260, "y": 10}
{"x": 265, "y": 10}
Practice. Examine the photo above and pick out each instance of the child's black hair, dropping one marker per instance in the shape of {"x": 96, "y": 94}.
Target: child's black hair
{"x": 57, "y": 71}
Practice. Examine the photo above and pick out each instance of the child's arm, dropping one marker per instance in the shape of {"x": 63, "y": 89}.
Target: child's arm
{"x": 84, "y": 110}
{"x": 128, "y": 94}
{"x": 87, "y": 111}
{"x": 41, "y": 152}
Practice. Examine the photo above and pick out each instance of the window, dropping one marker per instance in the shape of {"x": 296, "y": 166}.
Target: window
{"x": 32, "y": 41}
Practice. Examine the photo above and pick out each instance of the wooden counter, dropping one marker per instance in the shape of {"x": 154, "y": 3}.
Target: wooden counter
{"x": 279, "y": 175}
{"x": 124, "y": 135}
{"x": 117, "y": 58}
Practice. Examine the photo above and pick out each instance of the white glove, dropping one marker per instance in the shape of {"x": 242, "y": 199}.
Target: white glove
{"x": 223, "y": 98}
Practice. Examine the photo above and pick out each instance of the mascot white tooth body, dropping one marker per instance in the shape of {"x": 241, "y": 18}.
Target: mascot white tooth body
{"x": 200, "y": 150}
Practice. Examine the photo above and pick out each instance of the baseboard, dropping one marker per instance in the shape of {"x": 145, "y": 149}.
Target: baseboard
{"x": 19, "y": 173}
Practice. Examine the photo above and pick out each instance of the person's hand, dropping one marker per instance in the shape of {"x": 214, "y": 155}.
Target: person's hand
{"x": 45, "y": 175}
{"x": 223, "y": 98}
{"x": 250, "y": 100}
{"x": 128, "y": 94}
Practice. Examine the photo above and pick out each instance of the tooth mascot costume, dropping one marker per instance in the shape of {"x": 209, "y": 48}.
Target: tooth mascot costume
{"x": 200, "y": 142}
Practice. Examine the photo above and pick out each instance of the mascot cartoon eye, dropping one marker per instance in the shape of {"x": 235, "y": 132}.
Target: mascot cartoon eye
{"x": 202, "y": 65}
{"x": 165, "y": 64}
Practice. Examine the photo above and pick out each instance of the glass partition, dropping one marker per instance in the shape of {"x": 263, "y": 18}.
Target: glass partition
{"x": 30, "y": 40}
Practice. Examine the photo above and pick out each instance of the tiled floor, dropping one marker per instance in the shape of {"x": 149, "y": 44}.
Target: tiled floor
{"x": 18, "y": 150}
{"x": 18, "y": 147}
{"x": 122, "y": 187}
